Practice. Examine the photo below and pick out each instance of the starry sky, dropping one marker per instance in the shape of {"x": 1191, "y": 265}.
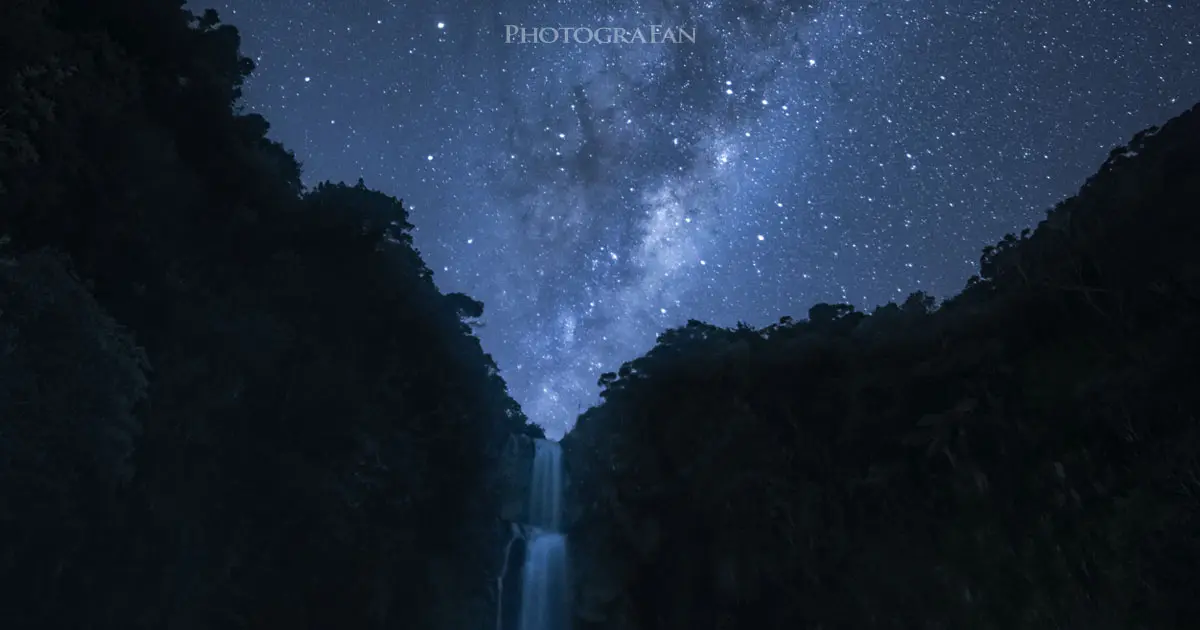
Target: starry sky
{"x": 593, "y": 195}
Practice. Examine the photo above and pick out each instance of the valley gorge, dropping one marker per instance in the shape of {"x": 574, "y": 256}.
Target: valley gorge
{"x": 231, "y": 400}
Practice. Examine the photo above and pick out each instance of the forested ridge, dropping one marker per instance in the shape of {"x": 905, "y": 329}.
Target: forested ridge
{"x": 1022, "y": 455}
{"x": 225, "y": 401}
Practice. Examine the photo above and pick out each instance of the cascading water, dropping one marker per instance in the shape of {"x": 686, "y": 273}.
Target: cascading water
{"x": 544, "y": 576}
{"x": 501, "y": 608}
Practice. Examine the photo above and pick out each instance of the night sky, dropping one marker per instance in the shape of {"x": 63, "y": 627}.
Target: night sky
{"x": 593, "y": 195}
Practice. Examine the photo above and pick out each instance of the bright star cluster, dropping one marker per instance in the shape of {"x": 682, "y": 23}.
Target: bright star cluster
{"x": 593, "y": 195}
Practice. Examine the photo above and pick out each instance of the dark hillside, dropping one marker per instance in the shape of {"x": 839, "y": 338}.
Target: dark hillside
{"x": 1021, "y": 456}
{"x": 224, "y": 401}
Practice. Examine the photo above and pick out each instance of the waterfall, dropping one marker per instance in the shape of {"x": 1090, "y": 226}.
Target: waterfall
{"x": 544, "y": 588}
{"x": 544, "y": 577}
{"x": 512, "y": 538}
{"x": 545, "y": 493}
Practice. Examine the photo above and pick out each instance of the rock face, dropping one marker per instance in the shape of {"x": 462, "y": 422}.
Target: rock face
{"x": 600, "y": 589}
{"x": 516, "y": 470}
{"x": 608, "y": 545}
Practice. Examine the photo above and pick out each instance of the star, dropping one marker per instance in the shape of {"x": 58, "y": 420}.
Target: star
{"x": 619, "y": 183}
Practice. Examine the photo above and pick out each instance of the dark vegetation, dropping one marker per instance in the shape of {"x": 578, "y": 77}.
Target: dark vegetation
{"x": 1024, "y": 455}
{"x": 225, "y": 401}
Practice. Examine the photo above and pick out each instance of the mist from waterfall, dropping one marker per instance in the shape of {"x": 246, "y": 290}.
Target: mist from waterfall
{"x": 544, "y": 594}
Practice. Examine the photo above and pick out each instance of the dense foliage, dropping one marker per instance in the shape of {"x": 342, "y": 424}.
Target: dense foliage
{"x": 1022, "y": 456}
{"x": 225, "y": 401}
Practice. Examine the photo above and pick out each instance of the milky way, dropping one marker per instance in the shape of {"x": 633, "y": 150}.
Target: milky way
{"x": 593, "y": 195}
